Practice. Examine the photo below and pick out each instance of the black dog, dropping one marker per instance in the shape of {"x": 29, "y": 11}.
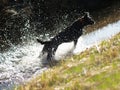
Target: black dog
{"x": 71, "y": 33}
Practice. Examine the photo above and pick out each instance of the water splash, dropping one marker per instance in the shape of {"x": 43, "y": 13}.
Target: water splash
{"x": 22, "y": 62}
{"x": 19, "y": 64}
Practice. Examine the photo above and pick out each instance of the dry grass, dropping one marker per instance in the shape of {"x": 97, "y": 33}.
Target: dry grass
{"x": 97, "y": 68}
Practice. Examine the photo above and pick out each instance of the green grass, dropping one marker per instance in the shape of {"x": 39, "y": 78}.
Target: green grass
{"x": 97, "y": 68}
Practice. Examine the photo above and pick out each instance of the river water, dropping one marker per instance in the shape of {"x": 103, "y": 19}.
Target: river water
{"x": 22, "y": 62}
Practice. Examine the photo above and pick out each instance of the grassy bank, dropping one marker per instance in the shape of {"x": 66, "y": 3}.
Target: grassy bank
{"x": 97, "y": 68}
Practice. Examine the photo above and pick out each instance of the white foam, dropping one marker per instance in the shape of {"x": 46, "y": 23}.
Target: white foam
{"x": 64, "y": 50}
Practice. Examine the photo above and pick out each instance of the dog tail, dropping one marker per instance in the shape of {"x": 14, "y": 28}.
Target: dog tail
{"x": 42, "y": 42}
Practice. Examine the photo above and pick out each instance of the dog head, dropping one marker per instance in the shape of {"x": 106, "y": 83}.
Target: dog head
{"x": 87, "y": 20}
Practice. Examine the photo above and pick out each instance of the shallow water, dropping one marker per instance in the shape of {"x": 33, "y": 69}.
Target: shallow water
{"x": 97, "y": 36}
{"x": 22, "y": 62}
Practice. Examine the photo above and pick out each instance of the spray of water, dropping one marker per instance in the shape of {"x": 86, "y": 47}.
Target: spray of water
{"x": 22, "y": 62}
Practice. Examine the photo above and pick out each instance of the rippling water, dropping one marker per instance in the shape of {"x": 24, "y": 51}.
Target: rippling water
{"x": 22, "y": 62}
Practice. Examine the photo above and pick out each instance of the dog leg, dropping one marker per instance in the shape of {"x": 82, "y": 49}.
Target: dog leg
{"x": 54, "y": 49}
{"x": 50, "y": 59}
{"x": 75, "y": 43}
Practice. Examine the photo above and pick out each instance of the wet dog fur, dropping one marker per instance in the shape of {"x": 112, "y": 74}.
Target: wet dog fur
{"x": 71, "y": 33}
